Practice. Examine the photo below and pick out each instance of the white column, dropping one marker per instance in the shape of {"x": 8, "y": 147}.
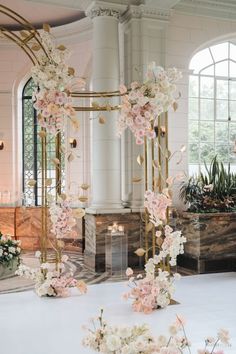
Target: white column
{"x": 106, "y": 146}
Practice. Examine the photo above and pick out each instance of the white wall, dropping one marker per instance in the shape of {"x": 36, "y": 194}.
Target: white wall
{"x": 169, "y": 43}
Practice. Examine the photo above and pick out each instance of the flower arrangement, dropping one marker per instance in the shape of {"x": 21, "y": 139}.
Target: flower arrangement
{"x": 63, "y": 217}
{"x": 109, "y": 339}
{"x": 143, "y": 103}
{"x": 9, "y": 250}
{"x": 53, "y": 78}
{"x": 50, "y": 280}
{"x": 153, "y": 291}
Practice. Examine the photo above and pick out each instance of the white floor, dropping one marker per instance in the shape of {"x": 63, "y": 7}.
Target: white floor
{"x": 31, "y": 325}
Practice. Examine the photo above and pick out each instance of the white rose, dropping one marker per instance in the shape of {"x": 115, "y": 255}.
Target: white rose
{"x": 113, "y": 342}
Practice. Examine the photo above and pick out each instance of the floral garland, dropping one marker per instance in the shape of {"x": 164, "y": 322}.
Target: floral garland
{"x": 53, "y": 78}
{"x": 108, "y": 339}
{"x": 63, "y": 217}
{"x": 50, "y": 281}
{"x": 143, "y": 103}
{"x": 9, "y": 249}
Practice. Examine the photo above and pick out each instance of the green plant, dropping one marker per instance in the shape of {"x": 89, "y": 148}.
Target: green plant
{"x": 213, "y": 191}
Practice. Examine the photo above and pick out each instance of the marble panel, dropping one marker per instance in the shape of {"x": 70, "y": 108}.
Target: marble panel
{"x": 7, "y": 221}
{"x": 210, "y": 237}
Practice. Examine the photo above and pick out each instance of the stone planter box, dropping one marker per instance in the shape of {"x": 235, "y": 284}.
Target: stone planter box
{"x": 7, "y": 271}
{"x": 211, "y": 242}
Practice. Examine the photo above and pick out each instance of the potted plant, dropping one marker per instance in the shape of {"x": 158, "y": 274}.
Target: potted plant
{"x": 9, "y": 255}
{"x": 209, "y": 223}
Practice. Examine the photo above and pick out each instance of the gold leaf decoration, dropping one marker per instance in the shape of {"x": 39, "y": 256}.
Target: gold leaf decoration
{"x": 61, "y": 47}
{"x": 84, "y": 186}
{"x": 140, "y": 252}
{"x": 71, "y": 71}
{"x": 60, "y": 244}
{"x": 136, "y": 179}
{"x": 42, "y": 134}
{"x": 79, "y": 213}
{"x": 48, "y": 182}
{"x": 23, "y": 34}
{"x": 155, "y": 164}
{"x": 70, "y": 157}
{"x": 36, "y": 47}
{"x": 108, "y": 107}
{"x": 56, "y": 161}
{"x": 46, "y": 27}
{"x": 95, "y": 104}
{"x": 31, "y": 182}
{"x": 149, "y": 227}
{"x": 83, "y": 199}
{"x": 175, "y": 106}
{"x": 63, "y": 196}
{"x": 102, "y": 120}
{"x": 75, "y": 123}
{"x": 140, "y": 160}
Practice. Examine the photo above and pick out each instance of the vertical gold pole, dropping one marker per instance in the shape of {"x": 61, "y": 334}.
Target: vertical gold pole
{"x": 43, "y": 238}
{"x": 58, "y": 189}
{"x": 146, "y": 188}
{"x": 153, "y": 189}
{"x": 58, "y": 168}
{"x": 166, "y": 157}
{"x": 159, "y": 156}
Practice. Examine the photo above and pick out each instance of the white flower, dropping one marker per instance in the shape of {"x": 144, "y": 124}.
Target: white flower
{"x": 37, "y": 254}
{"x": 113, "y": 342}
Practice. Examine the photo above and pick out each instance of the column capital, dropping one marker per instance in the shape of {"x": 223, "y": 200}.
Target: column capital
{"x": 102, "y": 8}
{"x": 149, "y": 12}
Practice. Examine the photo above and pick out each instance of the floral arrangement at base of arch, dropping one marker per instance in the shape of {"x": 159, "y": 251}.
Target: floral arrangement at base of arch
{"x": 110, "y": 339}
{"x": 51, "y": 279}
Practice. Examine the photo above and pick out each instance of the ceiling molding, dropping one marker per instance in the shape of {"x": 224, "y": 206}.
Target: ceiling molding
{"x": 210, "y": 8}
{"x": 143, "y": 11}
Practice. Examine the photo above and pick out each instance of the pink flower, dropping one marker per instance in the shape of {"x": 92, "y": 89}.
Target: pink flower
{"x": 129, "y": 272}
{"x": 123, "y": 89}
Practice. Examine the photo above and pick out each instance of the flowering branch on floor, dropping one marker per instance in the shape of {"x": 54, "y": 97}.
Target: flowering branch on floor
{"x": 110, "y": 339}
{"x": 51, "y": 279}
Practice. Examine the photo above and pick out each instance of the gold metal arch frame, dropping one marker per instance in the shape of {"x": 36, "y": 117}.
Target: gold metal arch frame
{"x": 154, "y": 150}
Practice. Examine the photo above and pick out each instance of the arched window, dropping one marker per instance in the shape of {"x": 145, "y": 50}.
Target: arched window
{"x": 31, "y": 148}
{"x": 212, "y": 106}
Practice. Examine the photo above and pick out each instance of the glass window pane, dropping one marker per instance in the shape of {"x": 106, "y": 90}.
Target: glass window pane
{"x": 193, "y": 131}
{"x": 220, "y": 51}
{"x": 222, "y": 69}
{"x": 232, "y": 156}
{"x": 232, "y": 51}
{"x": 232, "y": 107}
{"x": 193, "y": 153}
{"x": 222, "y": 110}
{"x": 232, "y": 132}
{"x": 222, "y": 89}
{"x": 207, "y": 87}
{"x": 232, "y": 90}
{"x": 232, "y": 69}
{"x": 207, "y": 131}
{"x": 207, "y": 109}
{"x": 221, "y": 129}
{"x": 207, "y": 152}
{"x": 222, "y": 152}
{"x": 193, "y": 86}
{"x": 208, "y": 71}
{"x": 193, "y": 108}
{"x": 200, "y": 60}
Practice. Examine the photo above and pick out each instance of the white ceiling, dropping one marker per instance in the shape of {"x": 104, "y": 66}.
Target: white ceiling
{"x": 59, "y": 12}
{"x": 38, "y": 13}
